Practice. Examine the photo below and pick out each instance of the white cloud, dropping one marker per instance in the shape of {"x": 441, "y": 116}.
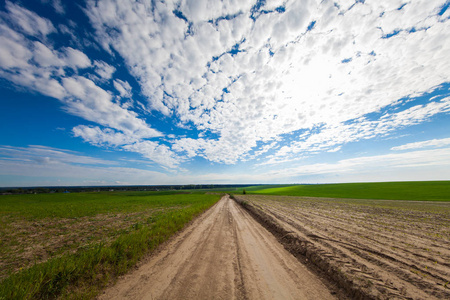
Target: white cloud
{"x": 76, "y": 58}
{"x": 54, "y": 72}
{"x": 241, "y": 77}
{"x": 123, "y": 87}
{"x": 157, "y": 153}
{"x": 58, "y": 6}
{"x": 16, "y": 55}
{"x": 12, "y": 51}
{"x": 44, "y": 56}
{"x": 286, "y": 78}
{"x": 103, "y": 137}
{"x": 29, "y": 21}
{"x": 273, "y": 4}
{"x": 331, "y": 138}
{"x": 96, "y": 106}
{"x": 436, "y": 143}
{"x": 104, "y": 70}
{"x": 204, "y": 10}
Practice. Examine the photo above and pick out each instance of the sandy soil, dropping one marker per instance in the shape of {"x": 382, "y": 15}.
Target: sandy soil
{"x": 378, "y": 250}
{"x": 224, "y": 254}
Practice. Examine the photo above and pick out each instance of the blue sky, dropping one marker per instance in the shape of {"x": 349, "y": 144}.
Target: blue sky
{"x": 181, "y": 92}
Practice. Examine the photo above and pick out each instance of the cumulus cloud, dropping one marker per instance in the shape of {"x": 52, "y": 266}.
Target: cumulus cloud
{"x": 103, "y": 137}
{"x": 96, "y": 106}
{"x": 252, "y": 73}
{"x": 203, "y": 10}
{"x": 44, "y": 56}
{"x": 157, "y": 153}
{"x": 238, "y": 76}
{"x": 13, "y": 52}
{"x": 104, "y": 70}
{"x": 123, "y": 87}
{"x": 37, "y": 65}
{"x": 76, "y": 58}
{"x": 28, "y": 21}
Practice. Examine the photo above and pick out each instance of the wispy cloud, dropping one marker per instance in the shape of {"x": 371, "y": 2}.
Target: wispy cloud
{"x": 123, "y": 88}
{"x": 46, "y": 155}
{"x": 435, "y": 143}
{"x": 28, "y": 21}
{"x": 413, "y": 165}
{"x": 46, "y": 165}
{"x": 331, "y": 138}
{"x": 104, "y": 70}
{"x": 33, "y": 174}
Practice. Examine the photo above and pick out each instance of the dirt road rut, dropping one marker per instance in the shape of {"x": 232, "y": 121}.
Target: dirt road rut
{"x": 224, "y": 254}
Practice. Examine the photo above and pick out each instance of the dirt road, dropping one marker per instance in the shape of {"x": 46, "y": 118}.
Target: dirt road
{"x": 224, "y": 254}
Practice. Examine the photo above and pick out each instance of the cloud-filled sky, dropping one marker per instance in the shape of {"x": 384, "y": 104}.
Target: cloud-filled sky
{"x": 177, "y": 92}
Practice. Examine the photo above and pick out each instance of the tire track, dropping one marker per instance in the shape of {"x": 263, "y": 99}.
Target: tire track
{"x": 224, "y": 254}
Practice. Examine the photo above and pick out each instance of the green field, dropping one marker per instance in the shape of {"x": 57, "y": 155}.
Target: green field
{"x": 71, "y": 245}
{"x": 421, "y": 190}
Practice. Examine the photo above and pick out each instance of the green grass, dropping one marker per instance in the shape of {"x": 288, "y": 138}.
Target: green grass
{"x": 75, "y": 205}
{"x": 423, "y": 190}
{"x": 135, "y": 223}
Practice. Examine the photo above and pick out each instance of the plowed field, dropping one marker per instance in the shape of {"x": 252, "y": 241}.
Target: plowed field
{"x": 376, "y": 249}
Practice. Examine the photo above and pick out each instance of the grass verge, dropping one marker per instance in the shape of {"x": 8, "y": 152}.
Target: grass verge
{"x": 82, "y": 274}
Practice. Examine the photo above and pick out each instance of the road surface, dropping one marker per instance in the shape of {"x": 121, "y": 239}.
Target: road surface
{"x": 223, "y": 254}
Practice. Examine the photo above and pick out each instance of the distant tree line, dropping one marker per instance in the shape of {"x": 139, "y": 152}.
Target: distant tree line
{"x": 79, "y": 189}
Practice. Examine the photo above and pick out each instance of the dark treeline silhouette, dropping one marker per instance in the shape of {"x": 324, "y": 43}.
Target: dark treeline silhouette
{"x": 79, "y": 189}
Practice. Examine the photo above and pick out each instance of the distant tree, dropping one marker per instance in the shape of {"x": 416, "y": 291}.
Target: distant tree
{"x": 244, "y": 192}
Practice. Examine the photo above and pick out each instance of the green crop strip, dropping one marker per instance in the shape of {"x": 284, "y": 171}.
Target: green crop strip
{"x": 422, "y": 190}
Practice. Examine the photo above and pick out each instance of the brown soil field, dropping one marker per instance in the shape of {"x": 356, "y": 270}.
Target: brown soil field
{"x": 223, "y": 254}
{"x": 373, "y": 249}
{"x": 24, "y": 242}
